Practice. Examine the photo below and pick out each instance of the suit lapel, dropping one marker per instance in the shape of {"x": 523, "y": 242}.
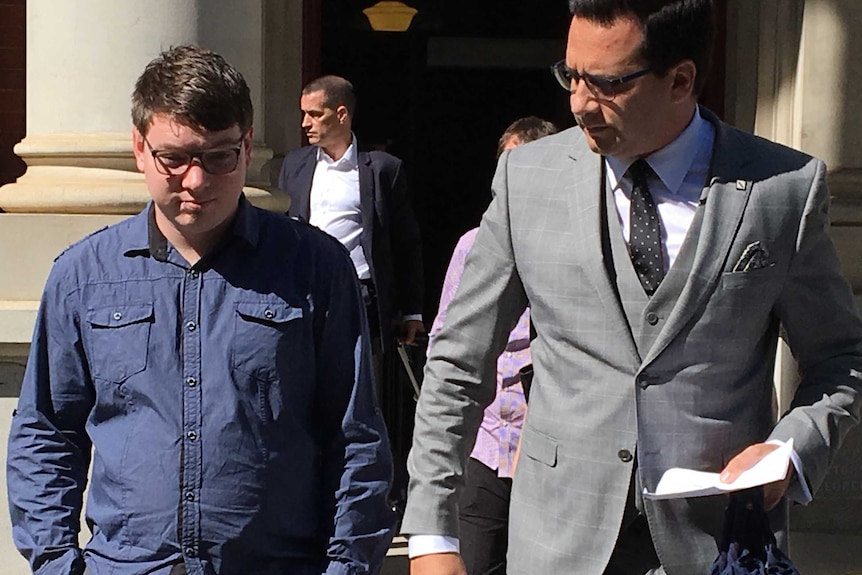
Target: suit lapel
{"x": 708, "y": 241}
{"x": 584, "y": 192}
{"x": 366, "y": 202}
{"x": 300, "y": 203}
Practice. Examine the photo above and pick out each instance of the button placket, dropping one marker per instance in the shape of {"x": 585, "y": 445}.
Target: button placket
{"x": 192, "y": 417}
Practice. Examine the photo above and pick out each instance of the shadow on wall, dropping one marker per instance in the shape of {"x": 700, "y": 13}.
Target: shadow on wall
{"x": 11, "y": 375}
{"x": 840, "y": 82}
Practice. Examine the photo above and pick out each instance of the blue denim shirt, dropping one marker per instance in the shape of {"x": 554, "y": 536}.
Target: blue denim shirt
{"x": 230, "y": 406}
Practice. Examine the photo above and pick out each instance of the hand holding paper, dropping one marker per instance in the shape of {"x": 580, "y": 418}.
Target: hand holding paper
{"x": 677, "y": 482}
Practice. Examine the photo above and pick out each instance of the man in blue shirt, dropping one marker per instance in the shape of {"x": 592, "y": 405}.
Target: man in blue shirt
{"x": 212, "y": 358}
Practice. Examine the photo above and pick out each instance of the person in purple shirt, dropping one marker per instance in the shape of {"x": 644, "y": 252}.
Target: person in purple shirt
{"x": 484, "y": 506}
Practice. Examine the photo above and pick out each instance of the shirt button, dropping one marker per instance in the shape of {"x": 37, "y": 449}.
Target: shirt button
{"x": 192, "y": 435}
{"x": 652, "y": 318}
{"x": 269, "y": 314}
{"x": 625, "y": 455}
{"x": 194, "y": 273}
{"x": 191, "y": 326}
{"x": 190, "y": 496}
{"x": 643, "y": 382}
{"x": 191, "y": 382}
{"x": 117, "y": 316}
{"x": 191, "y": 551}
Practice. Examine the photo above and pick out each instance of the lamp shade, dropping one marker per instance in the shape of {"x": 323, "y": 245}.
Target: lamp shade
{"x": 390, "y": 16}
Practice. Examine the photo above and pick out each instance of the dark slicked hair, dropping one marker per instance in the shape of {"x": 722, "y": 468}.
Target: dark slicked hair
{"x": 674, "y": 30}
{"x": 337, "y": 91}
{"x": 526, "y": 130}
{"x": 193, "y": 86}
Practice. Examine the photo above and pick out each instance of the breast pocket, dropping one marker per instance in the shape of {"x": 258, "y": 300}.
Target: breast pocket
{"x": 754, "y": 279}
{"x": 266, "y": 334}
{"x": 119, "y": 336}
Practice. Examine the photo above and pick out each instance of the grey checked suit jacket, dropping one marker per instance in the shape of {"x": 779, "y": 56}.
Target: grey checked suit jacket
{"x": 690, "y": 386}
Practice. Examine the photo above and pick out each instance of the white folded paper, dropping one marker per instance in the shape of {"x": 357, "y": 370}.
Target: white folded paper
{"x": 677, "y": 482}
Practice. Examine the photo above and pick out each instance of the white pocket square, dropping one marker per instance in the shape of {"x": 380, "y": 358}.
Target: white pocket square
{"x": 754, "y": 257}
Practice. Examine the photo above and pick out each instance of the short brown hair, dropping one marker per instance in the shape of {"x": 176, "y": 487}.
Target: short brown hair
{"x": 337, "y": 91}
{"x": 526, "y": 130}
{"x": 195, "y": 86}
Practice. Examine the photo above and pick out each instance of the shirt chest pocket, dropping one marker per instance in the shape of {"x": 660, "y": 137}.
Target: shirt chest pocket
{"x": 119, "y": 338}
{"x": 268, "y": 334}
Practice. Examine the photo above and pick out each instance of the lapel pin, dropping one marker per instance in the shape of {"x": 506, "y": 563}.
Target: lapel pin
{"x": 741, "y": 184}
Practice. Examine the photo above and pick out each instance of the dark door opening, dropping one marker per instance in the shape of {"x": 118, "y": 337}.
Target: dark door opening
{"x": 440, "y": 95}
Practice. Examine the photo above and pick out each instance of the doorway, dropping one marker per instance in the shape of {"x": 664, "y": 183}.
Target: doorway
{"x": 440, "y": 95}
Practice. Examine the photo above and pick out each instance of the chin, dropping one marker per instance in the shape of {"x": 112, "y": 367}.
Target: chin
{"x": 594, "y": 146}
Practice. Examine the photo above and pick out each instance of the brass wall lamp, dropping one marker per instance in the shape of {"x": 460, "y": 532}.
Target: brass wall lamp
{"x": 390, "y": 16}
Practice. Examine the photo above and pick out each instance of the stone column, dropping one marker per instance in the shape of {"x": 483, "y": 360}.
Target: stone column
{"x": 795, "y": 70}
{"x": 83, "y": 57}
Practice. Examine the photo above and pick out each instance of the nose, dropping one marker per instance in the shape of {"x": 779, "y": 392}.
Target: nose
{"x": 306, "y": 121}
{"x": 581, "y": 99}
{"x": 195, "y": 178}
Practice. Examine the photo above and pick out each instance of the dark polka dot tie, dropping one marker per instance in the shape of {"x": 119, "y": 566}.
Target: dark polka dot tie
{"x": 644, "y": 230}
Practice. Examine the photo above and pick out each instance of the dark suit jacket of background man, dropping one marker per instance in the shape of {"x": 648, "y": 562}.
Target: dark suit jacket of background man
{"x": 390, "y": 234}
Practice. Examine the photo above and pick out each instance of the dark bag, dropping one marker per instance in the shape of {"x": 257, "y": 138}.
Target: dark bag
{"x": 526, "y": 374}
{"x": 748, "y": 546}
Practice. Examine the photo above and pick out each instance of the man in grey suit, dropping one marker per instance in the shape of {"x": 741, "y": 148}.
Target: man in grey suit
{"x": 661, "y": 251}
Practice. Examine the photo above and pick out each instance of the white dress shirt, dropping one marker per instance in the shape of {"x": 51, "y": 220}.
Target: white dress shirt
{"x": 334, "y": 204}
{"x": 680, "y": 172}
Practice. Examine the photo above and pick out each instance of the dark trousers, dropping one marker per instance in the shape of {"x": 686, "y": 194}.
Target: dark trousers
{"x": 483, "y": 520}
{"x": 634, "y": 552}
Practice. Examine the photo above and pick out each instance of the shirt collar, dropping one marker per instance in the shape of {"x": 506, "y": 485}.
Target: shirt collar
{"x": 153, "y": 243}
{"x": 350, "y": 159}
{"x": 670, "y": 163}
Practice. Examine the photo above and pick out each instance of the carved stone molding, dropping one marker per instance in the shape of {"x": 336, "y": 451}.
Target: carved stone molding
{"x": 846, "y": 189}
{"x": 74, "y": 173}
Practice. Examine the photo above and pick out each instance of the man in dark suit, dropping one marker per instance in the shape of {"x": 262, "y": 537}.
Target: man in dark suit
{"x": 361, "y": 199}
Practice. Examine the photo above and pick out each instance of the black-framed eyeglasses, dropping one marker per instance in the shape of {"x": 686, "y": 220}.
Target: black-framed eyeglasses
{"x": 216, "y": 161}
{"x": 601, "y": 87}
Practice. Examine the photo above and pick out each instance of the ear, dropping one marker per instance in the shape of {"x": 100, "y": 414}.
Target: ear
{"x": 342, "y": 114}
{"x": 138, "y": 146}
{"x": 682, "y": 77}
{"x": 248, "y": 142}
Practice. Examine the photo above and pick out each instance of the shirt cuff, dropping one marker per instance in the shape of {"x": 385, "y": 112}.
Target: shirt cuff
{"x": 418, "y": 545}
{"x": 799, "y": 490}
{"x": 338, "y": 568}
{"x": 413, "y": 316}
